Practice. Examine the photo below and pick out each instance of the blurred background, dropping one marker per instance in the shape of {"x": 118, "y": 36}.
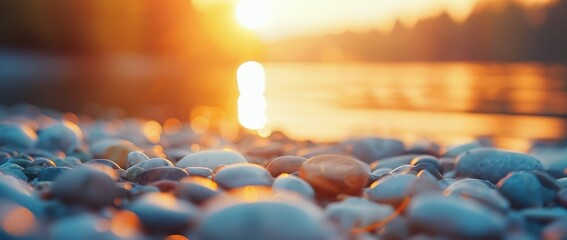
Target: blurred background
{"x": 446, "y": 70}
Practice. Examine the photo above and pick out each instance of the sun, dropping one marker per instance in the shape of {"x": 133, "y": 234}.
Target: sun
{"x": 253, "y": 14}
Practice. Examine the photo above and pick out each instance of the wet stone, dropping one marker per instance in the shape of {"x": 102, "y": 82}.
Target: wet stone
{"x": 454, "y": 217}
{"x": 23, "y": 161}
{"x": 163, "y": 213}
{"x": 38, "y": 153}
{"x": 14, "y": 135}
{"x": 456, "y": 150}
{"x": 242, "y": 174}
{"x": 285, "y": 164}
{"x": 433, "y": 161}
{"x": 393, "y": 162}
{"x": 562, "y": 197}
{"x": 354, "y": 213}
{"x": 492, "y": 164}
{"x": 116, "y": 150}
{"x": 106, "y": 162}
{"x": 211, "y": 159}
{"x": 67, "y": 161}
{"x": 136, "y": 157}
{"x": 59, "y": 137}
{"x": 371, "y": 149}
{"x": 43, "y": 162}
{"x": 160, "y": 173}
{"x": 294, "y": 184}
{"x": 276, "y": 220}
{"x": 522, "y": 189}
{"x": 32, "y": 171}
{"x": 332, "y": 174}
{"x": 196, "y": 189}
{"x": 133, "y": 171}
{"x": 199, "y": 172}
{"x": 86, "y": 186}
{"x": 424, "y": 147}
{"x": 391, "y": 189}
{"x": 480, "y": 191}
{"x": 403, "y": 169}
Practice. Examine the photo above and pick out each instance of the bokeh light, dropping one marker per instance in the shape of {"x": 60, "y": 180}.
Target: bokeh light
{"x": 253, "y": 14}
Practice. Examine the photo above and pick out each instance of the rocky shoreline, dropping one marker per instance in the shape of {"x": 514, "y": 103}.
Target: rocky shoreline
{"x": 69, "y": 177}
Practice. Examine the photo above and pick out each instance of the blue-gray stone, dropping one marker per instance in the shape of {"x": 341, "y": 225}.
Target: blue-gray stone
{"x": 211, "y": 159}
{"x": 391, "y": 189}
{"x": 160, "y": 173}
{"x": 456, "y": 150}
{"x": 58, "y": 137}
{"x": 522, "y": 189}
{"x": 242, "y": 174}
{"x": 392, "y": 162}
{"x": 294, "y": 184}
{"x": 262, "y": 220}
{"x": 454, "y": 217}
{"x": 357, "y": 213}
{"x": 199, "y": 172}
{"x": 492, "y": 164}
{"x": 163, "y": 213}
{"x": 14, "y": 135}
{"x": 85, "y": 186}
{"x": 52, "y": 173}
{"x": 371, "y": 149}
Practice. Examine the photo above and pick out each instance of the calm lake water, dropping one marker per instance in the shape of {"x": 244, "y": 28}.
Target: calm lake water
{"x": 448, "y": 102}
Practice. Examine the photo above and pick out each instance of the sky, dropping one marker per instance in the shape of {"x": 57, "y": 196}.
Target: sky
{"x": 275, "y": 19}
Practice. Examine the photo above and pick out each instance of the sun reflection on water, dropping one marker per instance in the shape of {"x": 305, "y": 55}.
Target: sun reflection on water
{"x": 252, "y": 104}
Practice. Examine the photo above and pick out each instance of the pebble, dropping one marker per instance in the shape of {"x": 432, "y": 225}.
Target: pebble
{"x": 493, "y": 165}
{"x": 196, "y": 189}
{"x": 116, "y": 150}
{"x": 52, "y": 173}
{"x": 294, "y": 184}
{"x": 199, "y": 172}
{"x": 356, "y": 212}
{"x": 480, "y": 191}
{"x": 522, "y": 189}
{"x": 163, "y": 213}
{"x": 454, "y": 217}
{"x": 160, "y": 173}
{"x": 393, "y": 162}
{"x": 456, "y": 150}
{"x": 562, "y": 197}
{"x": 371, "y": 149}
{"x": 62, "y": 137}
{"x": 391, "y": 189}
{"x": 257, "y": 214}
{"x": 211, "y": 159}
{"x": 133, "y": 171}
{"x": 14, "y": 135}
{"x": 106, "y": 162}
{"x": 87, "y": 186}
{"x": 93, "y": 187}
{"x": 242, "y": 174}
{"x": 285, "y": 164}
{"x": 430, "y": 160}
{"x": 43, "y": 162}
{"x": 332, "y": 174}
{"x": 135, "y": 157}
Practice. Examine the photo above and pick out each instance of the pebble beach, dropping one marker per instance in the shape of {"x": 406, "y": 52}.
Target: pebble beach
{"x": 66, "y": 176}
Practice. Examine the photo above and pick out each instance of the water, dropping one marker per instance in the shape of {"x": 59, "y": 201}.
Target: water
{"x": 512, "y": 104}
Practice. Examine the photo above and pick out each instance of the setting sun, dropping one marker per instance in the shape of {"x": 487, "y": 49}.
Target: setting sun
{"x": 253, "y": 14}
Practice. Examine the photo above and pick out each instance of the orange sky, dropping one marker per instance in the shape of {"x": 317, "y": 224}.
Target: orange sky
{"x": 310, "y": 17}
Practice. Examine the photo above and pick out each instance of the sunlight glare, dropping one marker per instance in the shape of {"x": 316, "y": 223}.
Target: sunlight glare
{"x": 251, "y": 78}
{"x": 253, "y": 14}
